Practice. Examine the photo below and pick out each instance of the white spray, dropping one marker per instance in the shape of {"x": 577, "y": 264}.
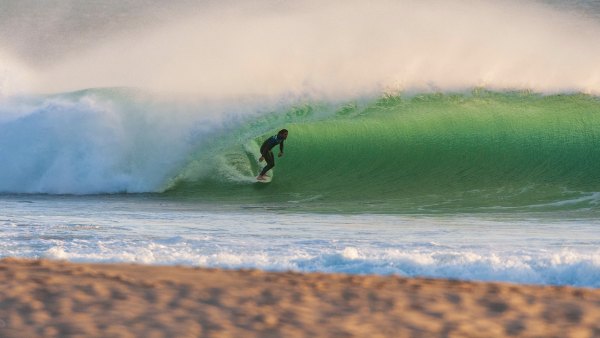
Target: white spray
{"x": 343, "y": 48}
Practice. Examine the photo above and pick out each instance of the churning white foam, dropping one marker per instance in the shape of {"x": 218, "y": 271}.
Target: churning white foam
{"x": 564, "y": 267}
{"x": 535, "y": 248}
{"x": 92, "y": 143}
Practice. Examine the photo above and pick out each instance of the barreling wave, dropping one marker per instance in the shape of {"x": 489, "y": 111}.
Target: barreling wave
{"x": 479, "y": 150}
{"x": 476, "y": 151}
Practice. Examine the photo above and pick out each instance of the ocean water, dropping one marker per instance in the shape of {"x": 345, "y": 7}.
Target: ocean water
{"x": 479, "y": 186}
{"x": 468, "y": 153}
{"x": 530, "y": 248}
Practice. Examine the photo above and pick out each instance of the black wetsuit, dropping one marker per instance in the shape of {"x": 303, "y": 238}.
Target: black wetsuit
{"x": 265, "y": 151}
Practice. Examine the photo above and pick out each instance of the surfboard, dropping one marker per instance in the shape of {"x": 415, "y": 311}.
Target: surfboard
{"x": 266, "y": 180}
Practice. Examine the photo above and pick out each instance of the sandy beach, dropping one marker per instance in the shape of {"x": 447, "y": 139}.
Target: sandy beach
{"x": 40, "y": 298}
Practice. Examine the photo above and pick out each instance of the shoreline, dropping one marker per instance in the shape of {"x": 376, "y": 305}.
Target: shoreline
{"x": 43, "y": 298}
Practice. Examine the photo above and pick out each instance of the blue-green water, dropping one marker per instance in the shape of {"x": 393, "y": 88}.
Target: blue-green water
{"x": 478, "y": 151}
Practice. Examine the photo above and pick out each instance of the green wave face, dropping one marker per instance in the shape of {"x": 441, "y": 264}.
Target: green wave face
{"x": 434, "y": 152}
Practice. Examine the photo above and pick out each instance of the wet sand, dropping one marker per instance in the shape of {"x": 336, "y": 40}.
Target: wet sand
{"x": 40, "y": 298}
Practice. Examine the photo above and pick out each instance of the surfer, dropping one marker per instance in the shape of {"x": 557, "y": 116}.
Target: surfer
{"x": 267, "y": 154}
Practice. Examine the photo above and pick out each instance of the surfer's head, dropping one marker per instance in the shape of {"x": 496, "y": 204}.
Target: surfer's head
{"x": 283, "y": 133}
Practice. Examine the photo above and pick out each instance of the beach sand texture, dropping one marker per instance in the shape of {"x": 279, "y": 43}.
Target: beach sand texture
{"x": 40, "y": 298}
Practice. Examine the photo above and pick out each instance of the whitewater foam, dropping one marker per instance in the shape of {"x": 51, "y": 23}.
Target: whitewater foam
{"x": 538, "y": 248}
{"x": 108, "y": 140}
{"x": 83, "y": 145}
{"x": 562, "y": 267}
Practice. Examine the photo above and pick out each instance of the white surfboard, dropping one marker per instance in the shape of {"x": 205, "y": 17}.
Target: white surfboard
{"x": 267, "y": 179}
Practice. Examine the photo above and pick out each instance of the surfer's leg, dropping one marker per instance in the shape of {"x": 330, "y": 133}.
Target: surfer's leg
{"x": 270, "y": 159}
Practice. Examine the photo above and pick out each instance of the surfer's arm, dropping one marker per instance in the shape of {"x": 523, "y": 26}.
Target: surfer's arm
{"x": 281, "y": 148}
